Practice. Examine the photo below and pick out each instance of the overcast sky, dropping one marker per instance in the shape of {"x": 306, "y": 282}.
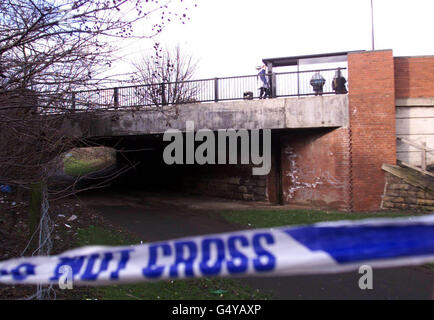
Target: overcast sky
{"x": 231, "y": 37}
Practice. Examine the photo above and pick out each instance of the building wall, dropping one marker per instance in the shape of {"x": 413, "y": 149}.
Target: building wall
{"x": 414, "y": 77}
{"x": 415, "y": 106}
{"x": 415, "y": 123}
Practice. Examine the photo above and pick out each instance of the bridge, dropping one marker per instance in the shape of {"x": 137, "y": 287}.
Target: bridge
{"x": 283, "y": 113}
{"x": 223, "y": 103}
{"x": 327, "y": 150}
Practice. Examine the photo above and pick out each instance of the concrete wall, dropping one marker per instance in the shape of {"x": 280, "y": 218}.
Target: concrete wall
{"x": 281, "y": 113}
{"x": 415, "y": 122}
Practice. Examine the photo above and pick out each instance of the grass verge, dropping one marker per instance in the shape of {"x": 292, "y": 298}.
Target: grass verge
{"x": 80, "y": 167}
{"x": 277, "y": 218}
{"x": 194, "y": 289}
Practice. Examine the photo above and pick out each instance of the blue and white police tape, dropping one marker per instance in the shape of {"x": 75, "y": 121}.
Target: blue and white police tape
{"x": 319, "y": 248}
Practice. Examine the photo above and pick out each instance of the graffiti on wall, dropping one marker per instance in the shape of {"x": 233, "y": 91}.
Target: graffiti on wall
{"x": 299, "y": 182}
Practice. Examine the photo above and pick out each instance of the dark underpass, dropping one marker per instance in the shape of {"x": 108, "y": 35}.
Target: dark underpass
{"x": 149, "y": 172}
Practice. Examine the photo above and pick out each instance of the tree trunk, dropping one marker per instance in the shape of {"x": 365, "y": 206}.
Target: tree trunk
{"x": 35, "y": 213}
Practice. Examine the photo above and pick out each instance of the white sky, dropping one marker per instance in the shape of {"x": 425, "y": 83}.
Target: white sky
{"x": 231, "y": 37}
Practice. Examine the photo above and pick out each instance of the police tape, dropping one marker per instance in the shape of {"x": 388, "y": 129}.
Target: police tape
{"x": 328, "y": 247}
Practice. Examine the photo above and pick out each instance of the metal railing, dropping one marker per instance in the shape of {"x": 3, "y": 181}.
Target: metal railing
{"x": 285, "y": 84}
{"x": 422, "y": 148}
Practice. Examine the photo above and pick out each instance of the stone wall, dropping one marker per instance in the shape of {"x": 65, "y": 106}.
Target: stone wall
{"x": 222, "y": 181}
{"x": 399, "y": 195}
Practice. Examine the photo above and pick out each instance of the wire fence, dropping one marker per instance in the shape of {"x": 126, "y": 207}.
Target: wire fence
{"x": 285, "y": 84}
{"x": 44, "y": 245}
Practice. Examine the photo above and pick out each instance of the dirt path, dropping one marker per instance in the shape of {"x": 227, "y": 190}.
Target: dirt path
{"x": 156, "y": 217}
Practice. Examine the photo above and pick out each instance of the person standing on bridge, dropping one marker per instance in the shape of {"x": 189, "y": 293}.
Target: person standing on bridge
{"x": 317, "y": 82}
{"x": 263, "y": 82}
{"x": 338, "y": 84}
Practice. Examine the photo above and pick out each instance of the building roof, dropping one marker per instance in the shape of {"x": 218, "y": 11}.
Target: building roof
{"x": 308, "y": 59}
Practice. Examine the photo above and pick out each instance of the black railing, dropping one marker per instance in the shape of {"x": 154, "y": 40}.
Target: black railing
{"x": 284, "y": 84}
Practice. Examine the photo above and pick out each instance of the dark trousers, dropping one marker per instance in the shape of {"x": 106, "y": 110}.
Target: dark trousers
{"x": 318, "y": 90}
{"x": 264, "y": 93}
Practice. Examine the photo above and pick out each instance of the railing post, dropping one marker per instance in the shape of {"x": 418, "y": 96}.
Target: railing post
{"x": 298, "y": 82}
{"x": 116, "y": 97}
{"x": 272, "y": 82}
{"x": 73, "y": 101}
{"x": 163, "y": 94}
{"x": 216, "y": 89}
{"x": 423, "y": 155}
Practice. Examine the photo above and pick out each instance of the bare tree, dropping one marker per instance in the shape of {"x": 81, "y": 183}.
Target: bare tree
{"x": 65, "y": 44}
{"x": 49, "y": 48}
{"x": 165, "y": 77}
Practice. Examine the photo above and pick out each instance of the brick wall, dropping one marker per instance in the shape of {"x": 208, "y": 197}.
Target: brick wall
{"x": 372, "y": 123}
{"x": 414, "y": 77}
{"x": 315, "y": 168}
